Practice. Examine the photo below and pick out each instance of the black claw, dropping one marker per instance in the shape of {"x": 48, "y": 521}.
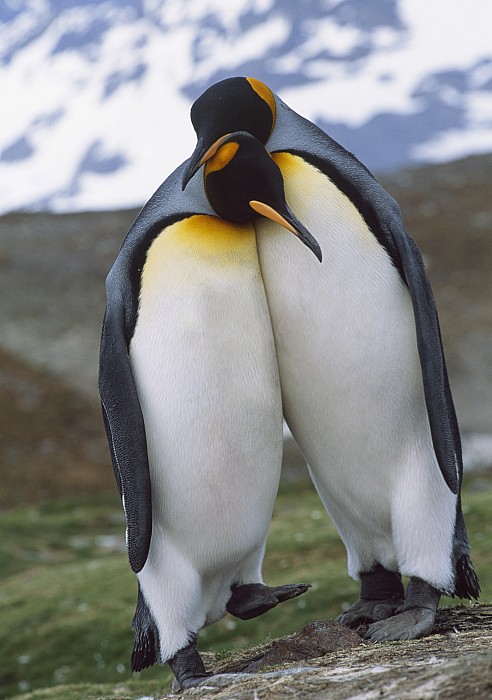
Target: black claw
{"x": 381, "y": 594}
{"x": 408, "y": 624}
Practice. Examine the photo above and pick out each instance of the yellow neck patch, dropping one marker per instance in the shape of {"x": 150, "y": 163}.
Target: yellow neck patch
{"x": 196, "y": 251}
{"x": 203, "y": 236}
{"x": 266, "y": 95}
{"x": 222, "y": 157}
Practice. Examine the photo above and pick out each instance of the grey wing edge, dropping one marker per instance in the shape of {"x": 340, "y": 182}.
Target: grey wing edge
{"x": 125, "y": 427}
{"x": 439, "y": 402}
{"x": 440, "y": 408}
{"x": 122, "y": 414}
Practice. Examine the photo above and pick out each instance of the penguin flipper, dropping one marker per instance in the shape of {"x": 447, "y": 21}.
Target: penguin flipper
{"x": 121, "y": 407}
{"x": 125, "y": 429}
{"x": 296, "y": 135}
{"x": 438, "y": 399}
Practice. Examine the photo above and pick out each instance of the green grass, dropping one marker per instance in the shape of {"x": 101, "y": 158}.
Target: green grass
{"x": 67, "y": 595}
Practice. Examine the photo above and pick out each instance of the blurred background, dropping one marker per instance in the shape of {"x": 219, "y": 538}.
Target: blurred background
{"x": 95, "y": 115}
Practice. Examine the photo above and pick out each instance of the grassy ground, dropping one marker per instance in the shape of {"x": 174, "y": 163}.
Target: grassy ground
{"x": 67, "y": 595}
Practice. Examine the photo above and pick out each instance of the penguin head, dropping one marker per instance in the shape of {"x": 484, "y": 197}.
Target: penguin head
{"x": 231, "y": 105}
{"x": 243, "y": 183}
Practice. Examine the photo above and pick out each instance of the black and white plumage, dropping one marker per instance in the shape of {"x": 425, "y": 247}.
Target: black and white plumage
{"x": 191, "y": 401}
{"x": 364, "y": 382}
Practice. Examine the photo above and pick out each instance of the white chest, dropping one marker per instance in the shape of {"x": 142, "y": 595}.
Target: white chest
{"x": 345, "y": 338}
{"x": 204, "y": 362}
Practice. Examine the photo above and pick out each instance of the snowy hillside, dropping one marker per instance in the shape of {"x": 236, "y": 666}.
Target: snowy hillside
{"x": 96, "y": 93}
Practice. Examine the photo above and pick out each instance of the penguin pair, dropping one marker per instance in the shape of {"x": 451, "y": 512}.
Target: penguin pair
{"x": 365, "y": 390}
{"x": 191, "y": 401}
{"x": 201, "y": 316}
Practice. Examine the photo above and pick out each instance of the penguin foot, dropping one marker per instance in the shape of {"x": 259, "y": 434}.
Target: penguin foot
{"x": 364, "y": 611}
{"x": 412, "y": 621}
{"x": 187, "y": 666}
{"x": 381, "y": 594}
{"x": 253, "y": 599}
{"x": 408, "y": 624}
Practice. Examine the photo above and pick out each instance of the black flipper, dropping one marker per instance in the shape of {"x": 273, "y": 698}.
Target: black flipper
{"x": 121, "y": 408}
{"x": 438, "y": 399}
{"x": 125, "y": 429}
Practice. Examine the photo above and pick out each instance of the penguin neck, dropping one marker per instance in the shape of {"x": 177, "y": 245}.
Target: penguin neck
{"x": 201, "y": 250}
{"x": 209, "y": 237}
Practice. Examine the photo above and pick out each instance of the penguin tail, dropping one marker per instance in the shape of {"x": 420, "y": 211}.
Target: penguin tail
{"x": 467, "y": 584}
{"x": 146, "y": 647}
{"x": 466, "y": 580}
{"x": 144, "y": 653}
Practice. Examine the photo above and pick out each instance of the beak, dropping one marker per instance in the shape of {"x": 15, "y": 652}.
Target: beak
{"x": 288, "y": 220}
{"x": 200, "y": 156}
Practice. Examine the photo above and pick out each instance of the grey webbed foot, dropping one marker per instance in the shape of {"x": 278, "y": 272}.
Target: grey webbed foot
{"x": 413, "y": 620}
{"x": 407, "y": 624}
{"x": 188, "y": 667}
{"x": 364, "y": 611}
{"x": 381, "y": 594}
{"x": 253, "y": 599}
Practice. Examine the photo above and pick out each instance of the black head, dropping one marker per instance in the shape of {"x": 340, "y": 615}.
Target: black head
{"x": 243, "y": 183}
{"x": 234, "y": 104}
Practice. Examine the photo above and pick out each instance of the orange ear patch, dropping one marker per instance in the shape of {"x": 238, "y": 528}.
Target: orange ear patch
{"x": 266, "y": 95}
{"x": 222, "y": 157}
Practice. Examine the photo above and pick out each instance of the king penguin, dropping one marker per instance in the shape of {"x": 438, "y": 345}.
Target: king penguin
{"x": 191, "y": 402}
{"x": 363, "y": 377}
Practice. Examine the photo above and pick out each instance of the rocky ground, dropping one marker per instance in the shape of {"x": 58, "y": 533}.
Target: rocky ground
{"x": 326, "y": 660}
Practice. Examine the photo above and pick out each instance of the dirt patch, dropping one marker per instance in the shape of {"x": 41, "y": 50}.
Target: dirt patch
{"x": 52, "y": 441}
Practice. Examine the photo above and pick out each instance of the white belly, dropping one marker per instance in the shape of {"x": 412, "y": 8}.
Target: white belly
{"x": 205, "y": 367}
{"x": 351, "y": 382}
